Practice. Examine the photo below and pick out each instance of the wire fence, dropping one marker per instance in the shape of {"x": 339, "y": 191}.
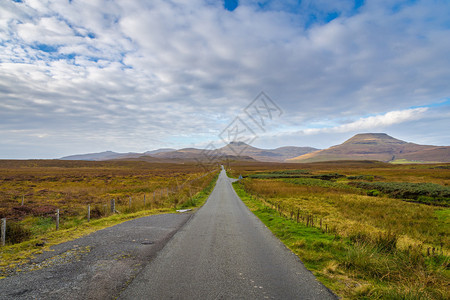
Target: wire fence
{"x": 166, "y": 197}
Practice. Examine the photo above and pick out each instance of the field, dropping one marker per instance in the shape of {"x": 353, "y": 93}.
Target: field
{"x": 31, "y": 192}
{"x": 71, "y": 186}
{"x": 368, "y": 230}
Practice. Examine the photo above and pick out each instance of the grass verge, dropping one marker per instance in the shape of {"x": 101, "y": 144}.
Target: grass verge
{"x": 358, "y": 267}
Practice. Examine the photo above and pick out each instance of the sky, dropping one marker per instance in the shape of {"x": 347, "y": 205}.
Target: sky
{"x": 83, "y": 76}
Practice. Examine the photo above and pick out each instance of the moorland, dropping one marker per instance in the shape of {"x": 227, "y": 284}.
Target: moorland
{"x": 367, "y": 229}
{"x": 31, "y": 191}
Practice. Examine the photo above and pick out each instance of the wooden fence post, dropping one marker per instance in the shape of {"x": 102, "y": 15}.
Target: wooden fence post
{"x": 3, "y": 231}
{"x": 57, "y": 219}
{"x": 129, "y": 204}
{"x": 89, "y": 213}
{"x": 23, "y": 199}
{"x": 113, "y": 205}
{"x": 144, "y": 200}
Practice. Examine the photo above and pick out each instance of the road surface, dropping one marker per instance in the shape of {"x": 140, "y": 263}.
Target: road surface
{"x": 97, "y": 266}
{"x": 225, "y": 252}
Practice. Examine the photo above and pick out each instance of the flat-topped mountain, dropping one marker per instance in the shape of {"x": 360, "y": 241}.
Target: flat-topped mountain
{"x": 377, "y": 146}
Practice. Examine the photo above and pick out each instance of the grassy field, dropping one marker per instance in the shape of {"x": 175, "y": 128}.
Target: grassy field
{"x": 139, "y": 188}
{"x": 359, "y": 225}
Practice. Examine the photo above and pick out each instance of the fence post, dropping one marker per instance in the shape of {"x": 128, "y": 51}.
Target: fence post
{"x": 23, "y": 199}
{"x": 298, "y": 213}
{"x": 153, "y": 196}
{"x": 3, "y": 231}
{"x": 144, "y": 200}
{"x": 129, "y": 204}
{"x": 113, "y": 205}
{"x": 89, "y": 213}
{"x": 57, "y": 219}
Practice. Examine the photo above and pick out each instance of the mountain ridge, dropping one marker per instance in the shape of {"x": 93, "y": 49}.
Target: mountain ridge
{"x": 363, "y": 146}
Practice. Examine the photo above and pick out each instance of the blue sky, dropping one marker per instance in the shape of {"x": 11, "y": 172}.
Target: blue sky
{"x": 130, "y": 76}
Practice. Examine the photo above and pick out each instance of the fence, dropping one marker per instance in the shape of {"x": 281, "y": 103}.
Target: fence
{"x": 311, "y": 220}
{"x": 296, "y": 214}
{"x": 158, "y": 198}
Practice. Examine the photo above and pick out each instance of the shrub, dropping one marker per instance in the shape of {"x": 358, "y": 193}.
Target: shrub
{"x": 373, "y": 193}
{"x": 16, "y": 232}
{"x": 428, "y": 193}
{"x": 97, "y": 212}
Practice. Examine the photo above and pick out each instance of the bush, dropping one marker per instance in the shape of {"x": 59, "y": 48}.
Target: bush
{"x": 331, "y": 176}
{"x": 16, "y": 232}
{"x": 97, "y": 212}
{"x": 373, "y": 193}
{"x": 428, "y": 193}
{"x": 361, "y": 177}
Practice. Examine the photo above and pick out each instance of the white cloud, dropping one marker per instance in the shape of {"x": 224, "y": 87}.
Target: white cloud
{"x": 373, "y": 122}
{"x": 164, "y": 69}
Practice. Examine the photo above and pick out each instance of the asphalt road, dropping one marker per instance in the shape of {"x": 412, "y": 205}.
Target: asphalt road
{"x": 98, "y": 266}
{"x": 225, "y": 252}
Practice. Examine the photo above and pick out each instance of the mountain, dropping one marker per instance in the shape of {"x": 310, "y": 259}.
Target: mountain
{"x": 365, "y": 146}
{"x": 193, "y": 154}
{"x": 159, "y": 151}
{"x": 233, "y": 151}
{"x": 377, "y": 146}
{"x": 93, "y": 156}
{"x": 267, "y": 155}
{"x": 109, "y": 155}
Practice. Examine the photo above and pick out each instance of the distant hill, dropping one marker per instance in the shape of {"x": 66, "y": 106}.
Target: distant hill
{"x": 233, "y": 151}
{"x": 109, "y": 155}
{"x": 159, "y": 151}
{"x": 93, "y": 156}
{"x": 377, "y": 146}
{"x": 365, "y": 146}
{"x": 267, "y": 155}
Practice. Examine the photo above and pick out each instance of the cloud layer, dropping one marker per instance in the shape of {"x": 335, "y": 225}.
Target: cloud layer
{"x": 83, "y": 76}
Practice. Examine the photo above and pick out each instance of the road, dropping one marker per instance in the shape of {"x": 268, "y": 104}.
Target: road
{"x": 225, "y": 252}
{"x": 97, "y": 266}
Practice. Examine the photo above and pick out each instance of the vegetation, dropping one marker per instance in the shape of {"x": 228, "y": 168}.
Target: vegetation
{"x": 139, "y": 189}
{"x": 361, "y": 246}
{"x": 428, "y": 193}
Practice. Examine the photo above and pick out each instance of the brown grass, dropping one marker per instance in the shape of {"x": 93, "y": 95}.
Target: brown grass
{"x": 70, "y": 185}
